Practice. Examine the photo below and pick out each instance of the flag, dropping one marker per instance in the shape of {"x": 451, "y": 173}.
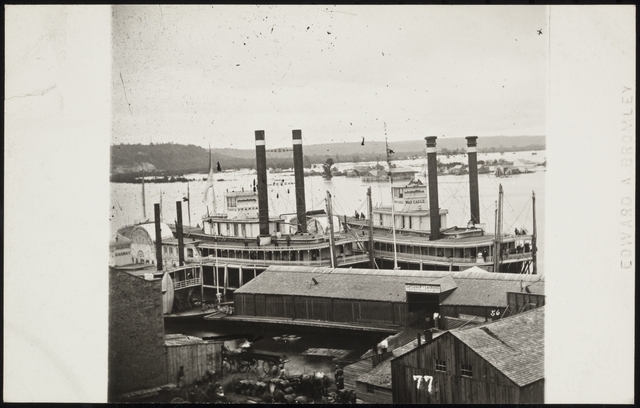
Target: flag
{"x": 209, "y": 180}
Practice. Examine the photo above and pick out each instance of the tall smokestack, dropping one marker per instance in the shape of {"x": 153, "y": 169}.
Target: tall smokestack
{"x": 180, "y": 232}
{"x": 298, "y": 168}
{"x": 473, "y": 178}
{"x": 432, "y": 170}
{"x": 156, "y": 209}
{"x": 263, "y": 199}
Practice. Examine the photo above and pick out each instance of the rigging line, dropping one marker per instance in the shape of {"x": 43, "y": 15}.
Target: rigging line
{"x": 510, "y": 207}
{"x": 516, "y": 220}
{"x": 526, "y": 218}
{"x": 279, "y": 160}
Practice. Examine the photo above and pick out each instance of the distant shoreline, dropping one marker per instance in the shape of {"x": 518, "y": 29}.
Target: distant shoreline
{"x": 179, "y": 177}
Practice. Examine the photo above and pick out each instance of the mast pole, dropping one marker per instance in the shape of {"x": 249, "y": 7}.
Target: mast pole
{"x": 331, "y": 237}
{"x": 371, "y": 258}
{"x": 213, "y": 190}
{"x": 189, "y": 203}
{"x": 496, "y": 248}
{"x": 499, "y": 227}
{"x": 202, "y": 286}
{"x": 144, "y": 207}
{"x": 215, "y": 248}
{"x": 393, "y": 214}
{"x": 534, "y": 250}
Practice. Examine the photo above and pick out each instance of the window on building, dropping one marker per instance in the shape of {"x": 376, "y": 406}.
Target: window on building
{"x": 370, "y": 389}
{"x": 441, "y": 365}
{"x": 380, "y": 219}
{"x": 466, "y": 370}
{"x": 231, "y": 202}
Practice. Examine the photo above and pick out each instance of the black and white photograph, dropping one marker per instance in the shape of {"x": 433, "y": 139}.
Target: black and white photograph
{"x": 321, "y": 204}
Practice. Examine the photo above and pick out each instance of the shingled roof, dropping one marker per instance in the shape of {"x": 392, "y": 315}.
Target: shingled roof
{"x": 335, "y": 284}
{"x": 483, "y": 292}
{"x": 513, "y": 345}
{"x": 479, "y": 287}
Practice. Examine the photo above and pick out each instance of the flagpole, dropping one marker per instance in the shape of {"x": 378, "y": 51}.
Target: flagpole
{"x": 189, "y": 203}
{"x": 213, "y": 191}
{"x": 144, "y": 209}
{"x": 393, "y": 214}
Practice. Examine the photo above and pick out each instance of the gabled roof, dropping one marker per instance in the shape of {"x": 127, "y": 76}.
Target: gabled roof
{"x": 384, "y": 285}
{"x": 513, "y": 345}
{"x": 332, "y": 283}
{"x": 483, "y": 292}
{"x": 377, "y": 173}
{"x": 380, "y": 375}
{"x": 402, "y": 170}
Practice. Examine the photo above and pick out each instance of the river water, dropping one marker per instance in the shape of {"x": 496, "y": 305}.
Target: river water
{"x": 349, "y": 195}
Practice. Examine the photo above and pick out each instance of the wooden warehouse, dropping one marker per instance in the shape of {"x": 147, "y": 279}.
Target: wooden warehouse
{"x": 343, "y": 296}
{"x": 483, "y": 297}
{"x": 501, "y": 362}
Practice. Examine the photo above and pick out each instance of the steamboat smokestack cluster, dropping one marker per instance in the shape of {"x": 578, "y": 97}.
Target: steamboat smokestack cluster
{"x": 473, "y": 178}
{"x": 298, "y": 167}
{"x": 432, "y": 171}
{"x": 156, "y": 209}
{"x": 261, "y": 169}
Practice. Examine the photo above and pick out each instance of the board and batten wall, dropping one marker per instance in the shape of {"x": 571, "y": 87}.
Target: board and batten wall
{"x": 321, "y": 308}
{"x": 486, "y": 386}
{"x": 196, "y": 358}
{"x": 373, "y": 394}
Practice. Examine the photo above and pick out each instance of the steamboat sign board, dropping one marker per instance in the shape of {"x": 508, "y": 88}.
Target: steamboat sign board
{"x": 415, "y": 288}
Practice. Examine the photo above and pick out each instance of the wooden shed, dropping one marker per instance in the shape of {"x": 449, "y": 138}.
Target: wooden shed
{"x": 501, "y": 362}
{"x": 479, "y": 300}
{"x": 194, "y": 354}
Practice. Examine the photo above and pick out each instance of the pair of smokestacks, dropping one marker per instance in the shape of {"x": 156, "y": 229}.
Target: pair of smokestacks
{"x": 432, "y": 170}
{"x": 432, "y": 167}
{"x": 261, "y": 169}
{"x": 263, "y": 206}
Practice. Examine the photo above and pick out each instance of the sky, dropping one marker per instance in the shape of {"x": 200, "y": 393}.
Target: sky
{"x": 214, "y": 74}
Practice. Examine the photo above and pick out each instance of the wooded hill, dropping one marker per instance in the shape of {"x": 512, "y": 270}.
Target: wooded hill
{"x": 176, "y": 159}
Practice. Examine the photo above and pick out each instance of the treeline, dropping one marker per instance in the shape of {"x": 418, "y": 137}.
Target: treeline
{"x": 170, "y": 159}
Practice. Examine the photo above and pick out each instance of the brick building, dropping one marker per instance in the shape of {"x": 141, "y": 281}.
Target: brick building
{"x": 136, "y": 334}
